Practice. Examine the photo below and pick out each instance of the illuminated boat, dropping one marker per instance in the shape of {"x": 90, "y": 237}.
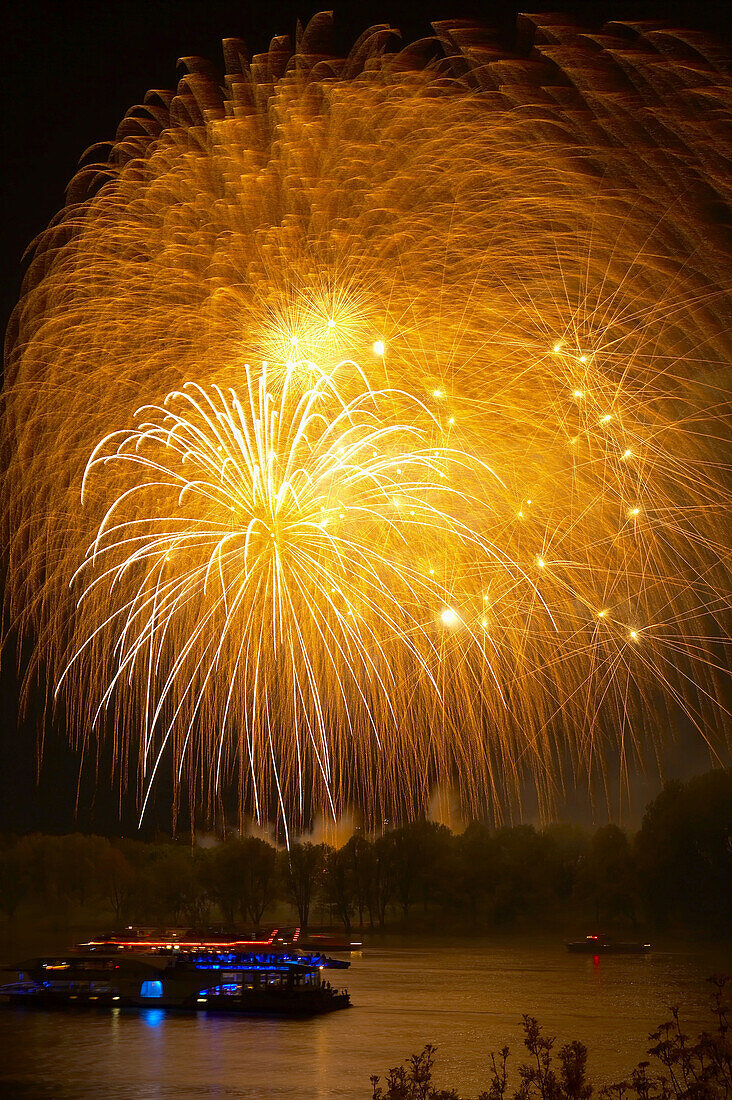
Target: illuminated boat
{"x": 240, "y": 977}
{"x": 603, "y": 945}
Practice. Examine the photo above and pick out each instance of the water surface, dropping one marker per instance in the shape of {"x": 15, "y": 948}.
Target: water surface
{"x": 467, "y": 998}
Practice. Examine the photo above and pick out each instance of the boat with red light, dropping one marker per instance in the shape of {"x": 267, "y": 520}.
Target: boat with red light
{"x": 600, "y": 944}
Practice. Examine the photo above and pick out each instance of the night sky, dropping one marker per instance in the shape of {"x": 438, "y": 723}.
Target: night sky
{"x": 70, "y": 71}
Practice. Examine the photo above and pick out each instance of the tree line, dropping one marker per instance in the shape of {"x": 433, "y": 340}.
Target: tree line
{"x": 675, "y": 872}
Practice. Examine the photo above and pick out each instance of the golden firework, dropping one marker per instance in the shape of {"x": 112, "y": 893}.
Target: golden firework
{"x": 526, "y": 256}
{"x": 260, "y": 586}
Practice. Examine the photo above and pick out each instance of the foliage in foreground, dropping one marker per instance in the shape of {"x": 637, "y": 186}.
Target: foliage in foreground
{"x": 680, "y": 1068}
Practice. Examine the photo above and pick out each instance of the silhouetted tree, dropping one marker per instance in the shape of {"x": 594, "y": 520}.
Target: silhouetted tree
{"x": 419, "y": 854}
{"x": 119, "y": 879}
{"x": 607, "y": 876}
{"x": 523, "y": 880}
{"x": 225, "y": 873}
{"x": 475, "y": 866}
{"x": 175, "y": 885}
{"x": 565, "y": 849}
{"x": 259, "y": 878}
{"x": 684, "y": 853}
{"x": 383, "y": 883}
{"x": 15, "y": 882}
{"x": 303, "y": 868}
{"x": 338, "y": 885}
{"x": 359, "y": 853}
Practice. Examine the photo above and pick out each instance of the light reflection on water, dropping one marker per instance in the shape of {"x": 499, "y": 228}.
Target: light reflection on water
{"x": 153, "y": 1017}
{"x": 467, "y": 998}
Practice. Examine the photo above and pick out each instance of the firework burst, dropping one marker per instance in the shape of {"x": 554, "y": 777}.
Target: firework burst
{"x": 470, "y": 525}
{"x": 265, "y": 565}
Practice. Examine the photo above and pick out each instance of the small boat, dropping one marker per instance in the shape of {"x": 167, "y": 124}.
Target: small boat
{"x": 602, "y": 945}
{"x": 236, "y": 977}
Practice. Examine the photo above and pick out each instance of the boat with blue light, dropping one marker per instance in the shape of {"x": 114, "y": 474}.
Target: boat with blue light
{"x": 241, "y": 976}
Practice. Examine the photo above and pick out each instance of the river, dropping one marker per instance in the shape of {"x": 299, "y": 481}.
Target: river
{"x": 466, "y": 997}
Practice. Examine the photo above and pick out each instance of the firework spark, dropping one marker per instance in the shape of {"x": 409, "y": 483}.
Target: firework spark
{"x": 505, "y": 555}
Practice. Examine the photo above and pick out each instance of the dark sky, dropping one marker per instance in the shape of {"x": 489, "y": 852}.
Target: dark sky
{"x": 70, "y": 69}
